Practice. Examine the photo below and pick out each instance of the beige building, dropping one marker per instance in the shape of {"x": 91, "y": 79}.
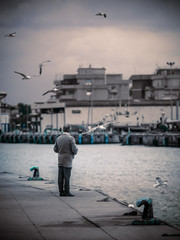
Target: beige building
{"x": 88, "y": 97}
{"x": 163, "y": 85}
{"x": 92, "y": 86}
{"x": 92, "y": 96}
{"x": 56, "y": 115}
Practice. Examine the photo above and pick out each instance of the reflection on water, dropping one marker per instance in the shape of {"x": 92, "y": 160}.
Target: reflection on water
{"x": 124, "y": 172}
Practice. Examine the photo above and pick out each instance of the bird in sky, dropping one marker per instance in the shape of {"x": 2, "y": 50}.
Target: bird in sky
{"x": 54, "y": 90}
{"x": 24, "y": 76}
{"x": 159, "y": 182}
{"x": 101, "y": 14}
{"x": 10, "y": 34}
{"x": 41, "y": 65}
{"x": 100, "y": 127}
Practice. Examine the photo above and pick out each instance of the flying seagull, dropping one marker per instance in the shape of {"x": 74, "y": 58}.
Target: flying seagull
{"x": 24, "y": 76}
{"x": 54, "y": 90}
{"x": 159, "y": 182}
{"x": 10, "y": 34}
{"x": 101, "y": 14}
{"x": 100, "y": 127}
{"x": 41, "y": 65}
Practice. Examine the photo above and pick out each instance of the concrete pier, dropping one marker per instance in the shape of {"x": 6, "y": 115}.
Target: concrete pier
{"x": 33, "y": 210}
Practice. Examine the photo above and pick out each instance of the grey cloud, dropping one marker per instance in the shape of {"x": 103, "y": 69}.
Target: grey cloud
{"x": 135, "y": 33}
{"x": 154, "y": 14}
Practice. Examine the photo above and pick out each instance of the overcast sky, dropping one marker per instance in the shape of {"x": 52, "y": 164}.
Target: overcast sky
{"x": 136, "y": 37}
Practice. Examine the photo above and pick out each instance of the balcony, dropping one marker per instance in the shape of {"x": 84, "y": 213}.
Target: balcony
{"x": 67, "y": 97}
{"x": 68, "y": 87}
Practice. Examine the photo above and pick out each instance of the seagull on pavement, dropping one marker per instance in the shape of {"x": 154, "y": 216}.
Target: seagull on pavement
{"x": 131, "y": 205}
{"x": 41, "y": 65}
{"x": 159, "y": 182}
{"x": 10, "y": 34}
{"x": 101, "y": 14}
{"x": 104, "y": 200}
{"x": 54, "y": 90}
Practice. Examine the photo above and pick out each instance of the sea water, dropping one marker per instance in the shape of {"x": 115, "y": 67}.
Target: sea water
{"x": 126, "y": 173}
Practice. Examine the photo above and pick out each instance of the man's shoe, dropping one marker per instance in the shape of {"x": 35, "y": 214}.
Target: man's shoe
{"x": 69, "y": 195}
{"x": 62, "y": 194}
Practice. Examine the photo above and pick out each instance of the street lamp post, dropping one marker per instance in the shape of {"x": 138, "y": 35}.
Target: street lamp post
{"x": 171, "y": 106}
{"x": 171, "y": 64}
{"x": 119, "y": 96}
{"x": 2, "y": 95}
{"x": 89, "y": 93}
{"x": 27, "y": 117}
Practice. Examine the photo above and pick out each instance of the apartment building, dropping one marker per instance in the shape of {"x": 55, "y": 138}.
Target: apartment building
{"x": 164, "y": 84}
{"x": 92, "y": 85}
{"x": 91, "y": 96}
{"x": 87, "y": 97}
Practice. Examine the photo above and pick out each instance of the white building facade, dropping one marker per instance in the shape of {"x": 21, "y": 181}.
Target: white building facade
{"x": 91, "y": 96}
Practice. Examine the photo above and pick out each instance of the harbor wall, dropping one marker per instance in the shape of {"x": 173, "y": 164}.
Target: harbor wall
{"x": 152, "y": 139}
{"x": 148, "y": 139}
{"x": 44, "y": 138}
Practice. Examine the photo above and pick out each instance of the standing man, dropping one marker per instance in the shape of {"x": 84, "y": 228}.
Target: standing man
{"x": 66, "y": 148}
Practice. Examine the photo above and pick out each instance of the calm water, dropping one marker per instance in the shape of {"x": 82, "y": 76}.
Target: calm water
{"x": 124, "y": 172}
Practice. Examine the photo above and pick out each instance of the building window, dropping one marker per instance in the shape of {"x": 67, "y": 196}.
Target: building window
{"x": 88, "y": 82}
{"x": 113, "y": 90}
{"x": 70, "y": 92}
{"x": 77, "y": 111}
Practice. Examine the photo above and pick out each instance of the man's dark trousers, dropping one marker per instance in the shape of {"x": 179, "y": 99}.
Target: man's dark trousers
{"x": 64, "y": 175}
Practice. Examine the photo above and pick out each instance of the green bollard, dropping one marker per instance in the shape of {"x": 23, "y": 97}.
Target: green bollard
{"x": 35, "y": 174}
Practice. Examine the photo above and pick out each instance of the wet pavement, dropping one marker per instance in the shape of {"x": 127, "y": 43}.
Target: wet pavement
{"x": 34, "y": 210}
